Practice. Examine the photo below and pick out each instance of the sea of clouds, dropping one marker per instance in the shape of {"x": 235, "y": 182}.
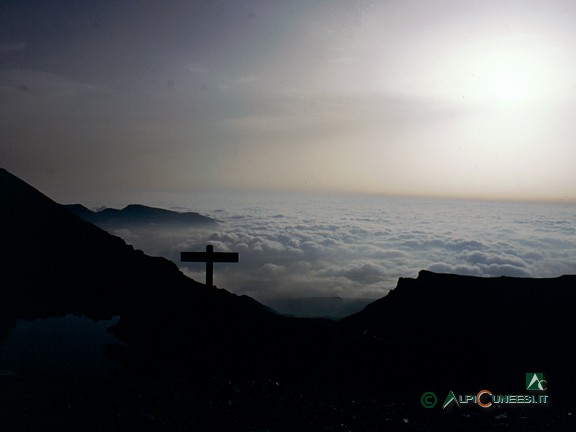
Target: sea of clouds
{"x": 294, "y": 246}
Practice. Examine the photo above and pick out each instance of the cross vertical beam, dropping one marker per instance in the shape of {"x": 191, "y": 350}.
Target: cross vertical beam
{"x": 209, "y": 265}
{"x": 209, "y": 257}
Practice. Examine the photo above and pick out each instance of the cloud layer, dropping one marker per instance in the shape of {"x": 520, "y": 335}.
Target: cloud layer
{"x": 315, "y": 246}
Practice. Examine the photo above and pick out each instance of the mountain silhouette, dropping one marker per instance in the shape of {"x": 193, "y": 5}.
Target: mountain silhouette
{"x": 54, "y": 263}
{"x": 265, "y": 371}
{"x": 136, "y": 214}
{"x": 449, "y": 330}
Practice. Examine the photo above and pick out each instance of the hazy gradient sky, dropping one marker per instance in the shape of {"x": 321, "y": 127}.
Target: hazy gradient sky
{"x": 456, "y": 97}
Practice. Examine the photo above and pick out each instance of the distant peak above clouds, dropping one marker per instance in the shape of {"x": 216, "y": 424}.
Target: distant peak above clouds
{"x": 138, "y": 214}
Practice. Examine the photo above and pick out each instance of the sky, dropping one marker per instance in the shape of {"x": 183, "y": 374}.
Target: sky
{"x": 452, "y": 98}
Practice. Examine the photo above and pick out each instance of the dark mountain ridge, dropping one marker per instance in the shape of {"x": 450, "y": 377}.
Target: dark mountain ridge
{"x": 449, "y": 330}
{"x": 135, "y": 214}
{"x": 53, "y": 263}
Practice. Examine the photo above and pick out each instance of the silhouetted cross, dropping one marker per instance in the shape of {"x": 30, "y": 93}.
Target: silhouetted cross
{"x": 209, "y": 257}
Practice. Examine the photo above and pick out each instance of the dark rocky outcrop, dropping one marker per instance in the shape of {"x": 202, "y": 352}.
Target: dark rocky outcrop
{"x": 446, "y": 331}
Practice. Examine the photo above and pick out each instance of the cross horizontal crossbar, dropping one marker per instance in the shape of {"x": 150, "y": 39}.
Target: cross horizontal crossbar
{"x": 209, "y": 256}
